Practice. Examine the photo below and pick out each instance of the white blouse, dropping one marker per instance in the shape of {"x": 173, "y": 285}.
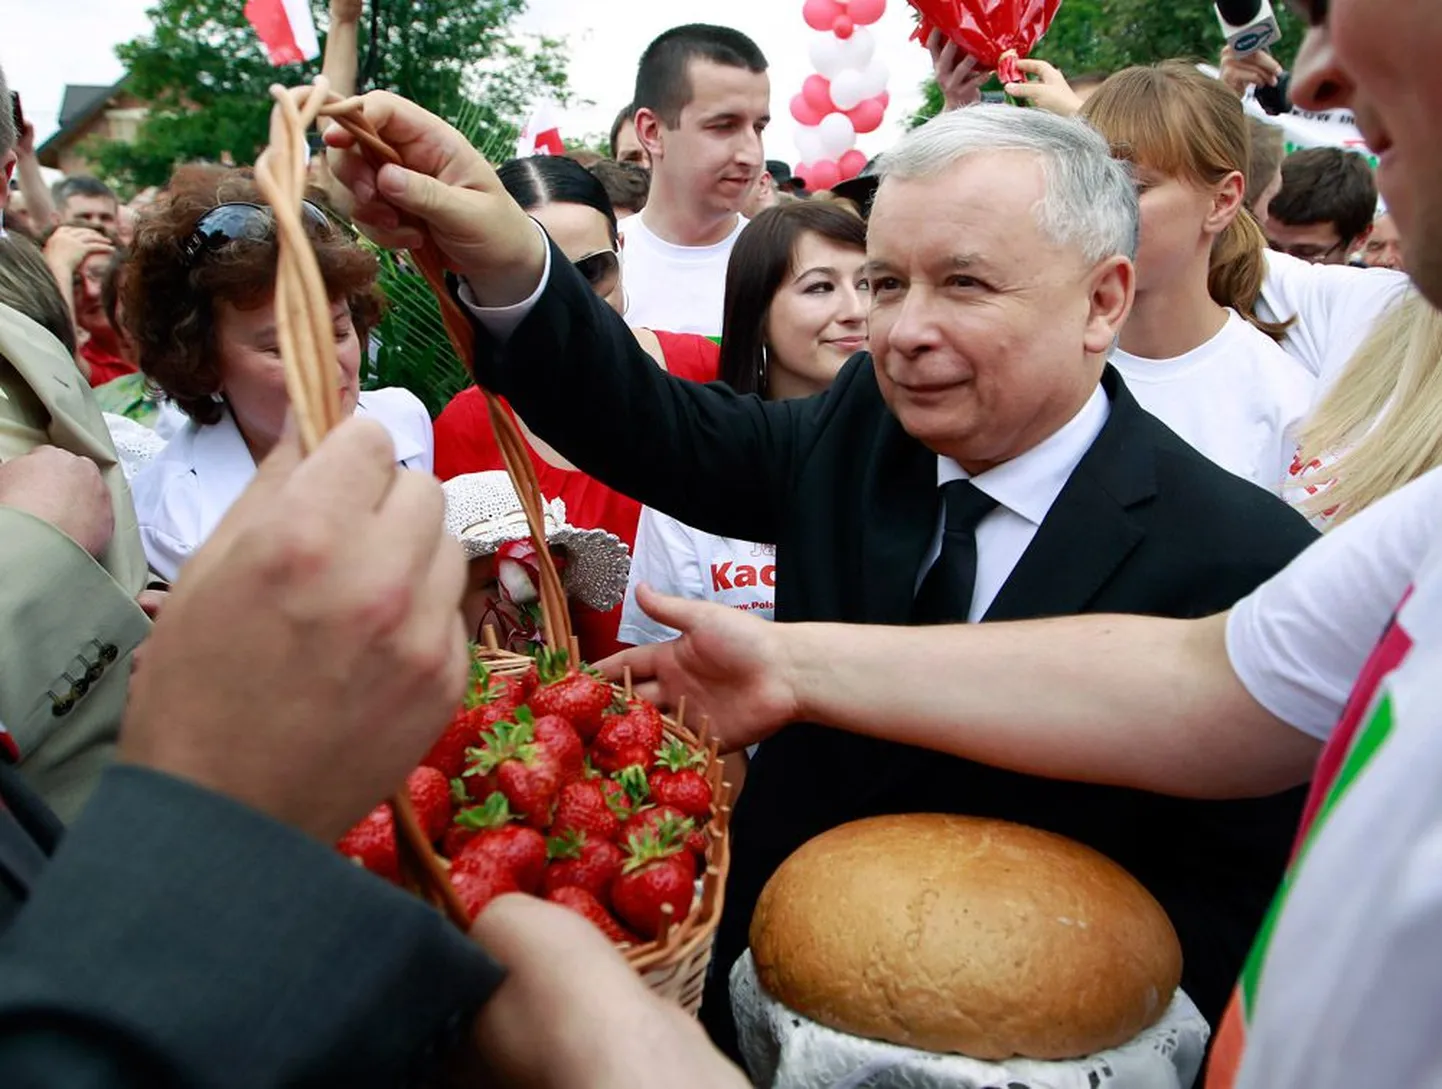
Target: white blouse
{"x": 181, "y": 496}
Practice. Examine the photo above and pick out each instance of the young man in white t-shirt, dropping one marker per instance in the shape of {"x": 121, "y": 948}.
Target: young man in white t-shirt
{"x": 1343, "y": 647}
{"x": 702, "y": 101}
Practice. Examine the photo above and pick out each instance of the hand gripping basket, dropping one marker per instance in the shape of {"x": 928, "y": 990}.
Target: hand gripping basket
{"x": 674, "y": 965}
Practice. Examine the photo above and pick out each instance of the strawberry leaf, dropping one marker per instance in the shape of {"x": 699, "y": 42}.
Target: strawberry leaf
{"x": 494, "y": 812}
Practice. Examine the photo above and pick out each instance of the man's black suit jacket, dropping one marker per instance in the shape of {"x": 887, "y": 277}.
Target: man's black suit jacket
{"x": 1145, "y": 524}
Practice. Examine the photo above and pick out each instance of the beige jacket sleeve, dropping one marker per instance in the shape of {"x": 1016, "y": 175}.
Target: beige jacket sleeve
{"x": 68, "y": 625}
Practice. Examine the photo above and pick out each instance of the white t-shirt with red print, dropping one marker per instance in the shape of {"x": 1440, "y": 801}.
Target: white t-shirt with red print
{"x": 676, "y": 559}
{"x": 1344, "y": 981}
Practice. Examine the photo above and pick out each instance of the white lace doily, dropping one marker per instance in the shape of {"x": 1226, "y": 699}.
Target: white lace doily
{"x": 785, "y": 1050}
{"x": 483, "y": 512}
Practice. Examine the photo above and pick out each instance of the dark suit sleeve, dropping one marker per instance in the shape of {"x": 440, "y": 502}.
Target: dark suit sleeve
{"x": 574, "y": 372}
{"x": 180, "y": 938}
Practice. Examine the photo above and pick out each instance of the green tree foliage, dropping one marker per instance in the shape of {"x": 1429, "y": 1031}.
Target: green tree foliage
{"x": 206, "y": 76}
{"x": 1109, "y": 35}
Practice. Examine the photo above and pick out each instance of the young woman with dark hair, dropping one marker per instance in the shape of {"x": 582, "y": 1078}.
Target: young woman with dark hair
{"x": 572, "y": 205}
{"x": 795, "y": 312}
{"x": 197, "y": 301}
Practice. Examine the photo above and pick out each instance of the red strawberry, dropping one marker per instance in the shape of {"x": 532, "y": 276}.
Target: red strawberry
{"x": 583, "y": 903}
{"x": 485, "y": 704}
{"x": 590, "y": 864}
{"x": 509, "y": 760}
{"x": 663, "y": 820}
{"x": 657, "y": 872}
{"x": 521, "y": 850}
{"x": 678, "y": 782}
{"x": 626, "y": 792}
{"x": 526, "y": 683}
{"x": 372, "y": 843}
{"x": 580, "y": 697}
{"x": 584, "y": 807}
{"x": 430, "y": 794}
{"x": 448, "y": 754}
{"x": 480, "y": 882}
{"x": 557, "y": 736}
{"x": 629, "y": 738}
{"x": 470, "y": 822}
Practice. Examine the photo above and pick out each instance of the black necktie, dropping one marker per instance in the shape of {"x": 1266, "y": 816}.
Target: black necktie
{"x": 945, "y": 594}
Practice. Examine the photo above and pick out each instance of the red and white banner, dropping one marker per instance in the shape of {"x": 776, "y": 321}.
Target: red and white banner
{"x": 286, "y": 27}
{"x": 542, "y": 133}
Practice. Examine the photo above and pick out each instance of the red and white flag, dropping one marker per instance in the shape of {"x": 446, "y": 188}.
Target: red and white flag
{"x": 542, "y": 133}
{"x": 286, "y": 27}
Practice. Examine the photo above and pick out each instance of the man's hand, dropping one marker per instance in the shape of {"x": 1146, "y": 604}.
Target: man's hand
{"x": 64, "y": 490}
{"x": 956, "y": 73}
{"x": 68, "y": 247}
{"x": 1259, "y": 69}
{"x": 445, "y": 194}
{"x": 572, "y": 1012}
{"x": 345, "y": 11}
{"x": 731, "y": 667}
{"x": 312, "y": 650}
{"x": 1050, "y": 91}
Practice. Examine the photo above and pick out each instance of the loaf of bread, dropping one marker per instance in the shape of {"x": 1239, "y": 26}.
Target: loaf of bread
{"x": 962, "y": 935}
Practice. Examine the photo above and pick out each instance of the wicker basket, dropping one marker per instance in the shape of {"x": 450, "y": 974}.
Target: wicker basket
{"x": 674, "y": 965}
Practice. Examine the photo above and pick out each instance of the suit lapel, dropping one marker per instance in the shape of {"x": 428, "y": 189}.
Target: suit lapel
{"x": 1089, "y": 530}
{"x": 900, "y": 502}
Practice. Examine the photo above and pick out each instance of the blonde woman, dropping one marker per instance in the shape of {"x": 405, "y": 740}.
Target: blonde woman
{"x": 1380, "y": 426}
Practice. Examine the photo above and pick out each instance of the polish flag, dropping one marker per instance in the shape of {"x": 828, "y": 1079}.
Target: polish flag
{"x": 542, "y": 133}
{"x": 286, "y": 27}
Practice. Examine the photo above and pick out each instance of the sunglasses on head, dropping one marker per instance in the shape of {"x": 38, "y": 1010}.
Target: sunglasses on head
{"x": 601, "y": 270}
{"x": 231, "y": 222}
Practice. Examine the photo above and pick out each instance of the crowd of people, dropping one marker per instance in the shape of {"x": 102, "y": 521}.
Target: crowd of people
{"x": 1078, "y": 465}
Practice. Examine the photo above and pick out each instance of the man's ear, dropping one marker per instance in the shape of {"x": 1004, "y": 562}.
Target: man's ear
{"x": 7, "y": 167}
{"x": 648, "y": 130}
{"x": 1112, "y": 289}
{"x": 1357, "y": 244}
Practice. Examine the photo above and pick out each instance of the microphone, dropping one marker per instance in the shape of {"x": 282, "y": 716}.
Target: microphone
{"x": 1249, "y": 25}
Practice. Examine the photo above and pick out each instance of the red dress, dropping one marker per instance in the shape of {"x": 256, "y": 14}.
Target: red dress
{"x": 465, "y": 444}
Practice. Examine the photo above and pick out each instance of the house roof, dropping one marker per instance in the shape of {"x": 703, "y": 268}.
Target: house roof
{"x": 81, "y": 103}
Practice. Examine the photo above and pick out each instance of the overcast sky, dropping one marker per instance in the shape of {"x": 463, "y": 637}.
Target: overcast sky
{"x": 49, "y": 43}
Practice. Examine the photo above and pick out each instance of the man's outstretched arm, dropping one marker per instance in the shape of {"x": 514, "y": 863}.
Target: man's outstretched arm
{"x": 1123, "y": 700}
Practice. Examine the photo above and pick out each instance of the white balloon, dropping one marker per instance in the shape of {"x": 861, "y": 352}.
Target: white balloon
{"x": 873, "y": 81}
{"x": 828, "y": 55}
{"x": 859, "y": 48}
{"x": 809, "y": 145}
{"x": 838, "y": 135}
{"x": 848, "y": 89}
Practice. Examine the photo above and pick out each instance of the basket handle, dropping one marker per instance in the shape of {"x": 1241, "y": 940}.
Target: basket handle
{"x": 309, "y": 356}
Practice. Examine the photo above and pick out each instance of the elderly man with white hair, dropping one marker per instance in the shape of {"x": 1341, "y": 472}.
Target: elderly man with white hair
{"x": 982, "y": 462}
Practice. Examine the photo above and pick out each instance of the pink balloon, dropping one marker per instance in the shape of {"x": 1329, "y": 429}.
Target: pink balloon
{"x": 822, "y": 174}
{"x": 804, "y": 112}
{"x": 844, "y": 27}
{"x": 865, "y": 12}
{"x": 851, "y": 164}
{"x": 817, "y": 92}
{"x": 821, "y": 14}
{"x": 867, "y": 116}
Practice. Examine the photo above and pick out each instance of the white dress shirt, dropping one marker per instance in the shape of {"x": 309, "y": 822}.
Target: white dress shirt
{"x": 1024, "y": 489}
{"x": 181, "y": 496}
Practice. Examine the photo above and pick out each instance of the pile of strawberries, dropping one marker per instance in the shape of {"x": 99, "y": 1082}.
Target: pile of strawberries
{"x": 550, "y": 783}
